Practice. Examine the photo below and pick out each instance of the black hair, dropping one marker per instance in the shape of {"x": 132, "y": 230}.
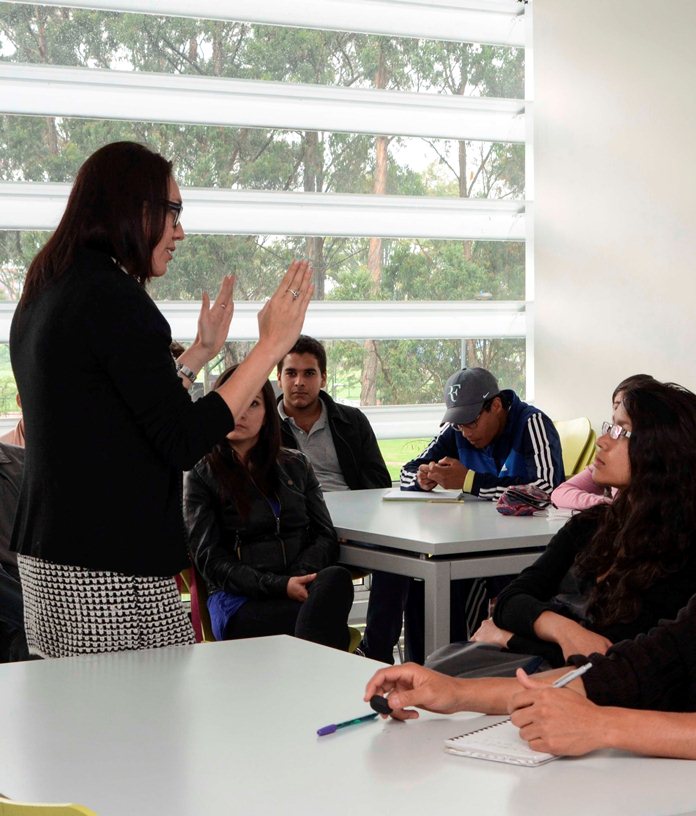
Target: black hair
{"x": 307, "y": 345}
{"x": 236, "y": 479}
{"x": 117, "y": 205}
{"x": 648, "y": 530}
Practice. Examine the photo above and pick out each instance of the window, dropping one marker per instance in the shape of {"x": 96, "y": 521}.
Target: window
{"x": 390, "y": 155}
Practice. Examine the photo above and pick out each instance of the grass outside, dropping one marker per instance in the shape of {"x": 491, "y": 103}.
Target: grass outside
{"x": 397, "y": 452}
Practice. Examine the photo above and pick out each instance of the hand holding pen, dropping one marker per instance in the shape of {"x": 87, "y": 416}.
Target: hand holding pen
{"x": 557, "y": 722}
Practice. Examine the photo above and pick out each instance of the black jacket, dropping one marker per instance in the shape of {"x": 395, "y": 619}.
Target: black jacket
{"x": 255, "y": 557}
{"x": 551, "y": 583}
{"x": 109, "y": 427}
{"x": 358, "y": 454}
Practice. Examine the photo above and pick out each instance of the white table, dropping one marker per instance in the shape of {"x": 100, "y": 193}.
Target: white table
{"x": 229, "y": 728}
{"x": 437, "y": 542}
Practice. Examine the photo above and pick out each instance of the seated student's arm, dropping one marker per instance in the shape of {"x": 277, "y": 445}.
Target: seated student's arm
{"x": 565, "y": 722}
{"x": 543, "y": 461}
{"x": 527, "y": 599}
{"x": 410, "y": 685}
{"x": 212, "y": 558}
{"x": 579, "y": 492}
{"x": 444, "y": 444}
{"x": 321, "y": 548}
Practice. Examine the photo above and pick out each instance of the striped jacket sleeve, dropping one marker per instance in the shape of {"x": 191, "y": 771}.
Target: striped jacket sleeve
{"x": 444, "y": 444}
{"x": 541, "y": 449}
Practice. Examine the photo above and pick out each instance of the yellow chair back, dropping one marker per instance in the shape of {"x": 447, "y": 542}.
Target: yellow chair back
{"x": 577, "y": 444}
{"x": 11, "y": 808}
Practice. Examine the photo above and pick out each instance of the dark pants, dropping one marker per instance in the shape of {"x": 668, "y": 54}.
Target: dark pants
{"x": 322, "y": 618}
{"x": 393, "y": 597}
{"x": 13, "y": 643}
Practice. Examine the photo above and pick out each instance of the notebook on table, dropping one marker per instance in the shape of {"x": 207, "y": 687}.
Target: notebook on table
{"x": 497, "y": 739}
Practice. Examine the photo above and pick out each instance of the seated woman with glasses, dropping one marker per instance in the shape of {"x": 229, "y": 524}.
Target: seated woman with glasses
{"x": 262, "y": 537}
{"x": 616, "y": 569}
{"x": 581, "y": 491}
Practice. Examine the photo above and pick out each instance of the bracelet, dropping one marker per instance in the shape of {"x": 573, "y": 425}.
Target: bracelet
{"x": 184, "y": 370}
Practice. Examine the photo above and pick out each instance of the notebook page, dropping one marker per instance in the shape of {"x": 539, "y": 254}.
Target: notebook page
{"x": 496, "y": 739}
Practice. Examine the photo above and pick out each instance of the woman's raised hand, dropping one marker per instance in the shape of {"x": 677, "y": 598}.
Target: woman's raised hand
{"x": 281, "y": 318}
{"x": 214, "y": 321}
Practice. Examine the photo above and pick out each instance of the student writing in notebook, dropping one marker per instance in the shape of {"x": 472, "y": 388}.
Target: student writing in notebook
{"x": 640, "y": 696}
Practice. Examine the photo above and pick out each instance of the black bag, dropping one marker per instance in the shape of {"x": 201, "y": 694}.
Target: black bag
{"x": 471, "y": 659}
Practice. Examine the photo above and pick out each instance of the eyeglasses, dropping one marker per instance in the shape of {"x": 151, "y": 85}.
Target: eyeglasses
{"x": 469, "y": 426}
{"x": 175, "y": 208}
{"x": 615, "y": 431}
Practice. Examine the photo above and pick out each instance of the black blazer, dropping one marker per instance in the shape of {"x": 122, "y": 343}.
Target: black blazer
{"x": 109, "y": 427}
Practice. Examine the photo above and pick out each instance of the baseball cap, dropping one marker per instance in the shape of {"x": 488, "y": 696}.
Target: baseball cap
{"x": 466, "y": 392}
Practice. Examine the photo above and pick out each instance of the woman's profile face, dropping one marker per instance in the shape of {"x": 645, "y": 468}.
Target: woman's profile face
{"x": 248, "y": 426}
{"x": 166, "y": 247}
{"x": 612, "y": 466}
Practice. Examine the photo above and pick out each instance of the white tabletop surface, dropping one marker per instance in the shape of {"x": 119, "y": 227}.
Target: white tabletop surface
{"x": 229, "y": 728}
{"x": 437, "y": 528}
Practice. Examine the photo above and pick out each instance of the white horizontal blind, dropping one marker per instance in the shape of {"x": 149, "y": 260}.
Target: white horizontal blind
{"x": 183, "y": 99}
{"x": 495, "y": 22}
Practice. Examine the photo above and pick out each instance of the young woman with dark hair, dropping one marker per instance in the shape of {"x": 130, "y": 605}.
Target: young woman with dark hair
{"x": 581, "y": 491}
{"x": 262, "y": 537}
{"x": 616, "y": 569}
{"x": 109, "y": 427}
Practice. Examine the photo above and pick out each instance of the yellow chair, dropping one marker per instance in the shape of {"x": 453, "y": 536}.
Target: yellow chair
{"x": 588, "y": 454}
{"x": 10, "y": 808}
{"x": 577, "y": 443}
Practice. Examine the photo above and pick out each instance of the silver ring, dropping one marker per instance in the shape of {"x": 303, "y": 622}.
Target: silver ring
{"x": 295, "y": 294}
{"x": 223, "y": 305}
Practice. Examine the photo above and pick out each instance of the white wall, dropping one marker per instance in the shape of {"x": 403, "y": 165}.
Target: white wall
{"x": 615, "y": 191}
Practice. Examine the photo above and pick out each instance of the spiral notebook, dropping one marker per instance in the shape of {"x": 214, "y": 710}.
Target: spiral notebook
{"x": 497, "y": 739}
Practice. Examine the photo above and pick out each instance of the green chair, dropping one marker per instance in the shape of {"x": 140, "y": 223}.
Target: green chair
{"x": 577, "y": 444}
{"x": 10, "y": 808}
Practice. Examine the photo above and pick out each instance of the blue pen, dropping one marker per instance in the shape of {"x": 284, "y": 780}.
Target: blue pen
{"x": 329, "y": 729}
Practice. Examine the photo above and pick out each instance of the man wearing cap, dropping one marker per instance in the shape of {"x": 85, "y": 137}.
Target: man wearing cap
{"x": 489, "y": 440}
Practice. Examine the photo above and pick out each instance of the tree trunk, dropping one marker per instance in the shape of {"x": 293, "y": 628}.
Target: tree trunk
{"x": 368, "y": 385}
{"x": 313, "y": 183}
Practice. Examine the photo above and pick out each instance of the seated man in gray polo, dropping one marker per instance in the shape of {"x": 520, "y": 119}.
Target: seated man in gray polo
{"x": 338, "y": 439}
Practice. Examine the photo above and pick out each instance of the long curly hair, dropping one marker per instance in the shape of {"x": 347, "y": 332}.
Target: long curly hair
{"x": 649, "y": 529}
{"x": 238, "y": 481}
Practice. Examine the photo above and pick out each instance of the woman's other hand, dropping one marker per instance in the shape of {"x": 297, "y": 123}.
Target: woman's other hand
{"x": 281, "y": 318}
{"x": 214, "y": 321}
{"x": 488, "y": 632}
{"x": 297, "y": 587}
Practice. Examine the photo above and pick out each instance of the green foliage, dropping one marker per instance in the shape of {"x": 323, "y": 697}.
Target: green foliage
{"x": 49, "y": 149}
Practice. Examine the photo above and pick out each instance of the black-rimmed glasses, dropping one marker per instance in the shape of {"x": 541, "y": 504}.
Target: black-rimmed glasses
{"x": 175, "y": 208}
{"x": 615, "y": 431}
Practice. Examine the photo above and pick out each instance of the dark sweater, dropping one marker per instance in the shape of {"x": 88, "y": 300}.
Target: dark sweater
{"x": 551, "y": 583}
{"x": 109, "y": 427}
{"x": 656, "y": 671}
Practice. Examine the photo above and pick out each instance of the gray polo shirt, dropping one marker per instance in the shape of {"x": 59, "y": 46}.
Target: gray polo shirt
{"x": 318, "y": 446}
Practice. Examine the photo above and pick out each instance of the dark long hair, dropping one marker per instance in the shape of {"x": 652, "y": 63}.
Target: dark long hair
{"x": 630, "y": 382}
{"x": 648, "y": 531}
{"x": 117, "y": 205}
{"x": 237, "y": 480}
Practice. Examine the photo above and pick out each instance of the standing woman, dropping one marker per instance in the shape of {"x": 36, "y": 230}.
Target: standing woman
{"x": 109, "y": 425}
{"x": 262, "y": 537}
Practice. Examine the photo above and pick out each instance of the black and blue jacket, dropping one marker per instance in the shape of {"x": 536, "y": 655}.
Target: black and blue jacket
{"x": 528, "y": 451}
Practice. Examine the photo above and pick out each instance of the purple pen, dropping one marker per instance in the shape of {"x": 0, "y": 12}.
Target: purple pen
{"x": 329, "y": 729}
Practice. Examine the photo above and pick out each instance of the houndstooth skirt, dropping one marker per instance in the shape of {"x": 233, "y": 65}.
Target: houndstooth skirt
{"x": 72, "y": 610}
